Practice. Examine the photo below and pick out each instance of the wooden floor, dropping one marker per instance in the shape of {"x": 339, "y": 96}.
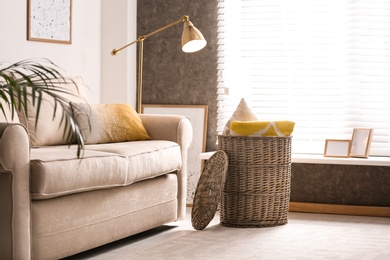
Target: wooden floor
{"x": 305, "y": 236}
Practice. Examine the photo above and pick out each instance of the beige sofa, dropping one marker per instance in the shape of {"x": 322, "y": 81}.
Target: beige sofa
{"x": 55, "y": 205}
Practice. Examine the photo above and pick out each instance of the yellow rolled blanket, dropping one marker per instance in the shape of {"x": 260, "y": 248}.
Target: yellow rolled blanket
{"x": 261, "y": 128}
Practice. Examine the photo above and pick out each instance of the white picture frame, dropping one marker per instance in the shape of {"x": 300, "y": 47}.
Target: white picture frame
{"x": 361, "y": 142}
{"x": 198, "y": 115}
{"x": 337, "y": 148}
{"x": 49, "y": 21}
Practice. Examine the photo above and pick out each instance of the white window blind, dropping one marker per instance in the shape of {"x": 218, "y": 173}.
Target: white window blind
{"x": 324, "y": 64}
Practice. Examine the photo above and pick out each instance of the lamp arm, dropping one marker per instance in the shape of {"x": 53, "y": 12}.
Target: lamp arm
{"x": 185, "y": 18}
{"x": 116, "y": 51}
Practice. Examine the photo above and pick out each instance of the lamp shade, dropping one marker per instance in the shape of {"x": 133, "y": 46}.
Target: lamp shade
{"x": 192, "y": 39}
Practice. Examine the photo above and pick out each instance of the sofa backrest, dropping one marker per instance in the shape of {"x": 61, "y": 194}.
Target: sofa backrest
{"x": 6, "y": 116}
{"x": 49, "y": 130}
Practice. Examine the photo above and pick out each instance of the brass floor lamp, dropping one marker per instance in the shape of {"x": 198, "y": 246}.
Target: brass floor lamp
{"x": 192, "y": 40}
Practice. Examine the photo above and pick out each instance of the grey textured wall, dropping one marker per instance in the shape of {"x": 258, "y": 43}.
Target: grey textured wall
{"x": 171, "y": 76}
{"x": 340, "y": 184}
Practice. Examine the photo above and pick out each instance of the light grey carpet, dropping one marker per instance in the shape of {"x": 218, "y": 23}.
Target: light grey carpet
{"x": 306, "y": 236}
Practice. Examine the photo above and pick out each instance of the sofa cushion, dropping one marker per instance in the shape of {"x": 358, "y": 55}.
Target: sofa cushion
{"x": 146, "y": 159}
{"x": 108, "y": 123}
{"x": 49, "y": 130}
{"x": 55, "y": 170}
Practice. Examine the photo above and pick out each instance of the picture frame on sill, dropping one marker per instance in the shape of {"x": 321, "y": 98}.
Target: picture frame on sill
{"x": 337, "y": 148}
{"x": 49, "y": 21}
{"x": 361, "y": 142}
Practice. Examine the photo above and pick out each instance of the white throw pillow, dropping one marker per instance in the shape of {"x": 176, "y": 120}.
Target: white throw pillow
{"x": 242, "y": 113}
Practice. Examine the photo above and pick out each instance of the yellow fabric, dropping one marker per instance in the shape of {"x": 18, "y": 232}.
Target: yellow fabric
{"x": 109, "y": 123}
{"x": 261, "y": 128}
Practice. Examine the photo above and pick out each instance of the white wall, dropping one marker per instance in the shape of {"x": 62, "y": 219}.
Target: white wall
{"x": 82, "y": 57}
{"x": 119, "y": 19}
{"x": 85, "y": 55}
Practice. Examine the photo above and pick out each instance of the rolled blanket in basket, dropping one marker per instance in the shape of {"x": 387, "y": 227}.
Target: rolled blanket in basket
{"x": 261, "y": 128}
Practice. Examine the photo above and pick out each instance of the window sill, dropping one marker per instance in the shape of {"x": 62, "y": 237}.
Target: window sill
{"x": 320, "y": 159}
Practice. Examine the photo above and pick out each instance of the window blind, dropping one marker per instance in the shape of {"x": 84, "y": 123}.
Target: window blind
{"x": 324, "y": 64}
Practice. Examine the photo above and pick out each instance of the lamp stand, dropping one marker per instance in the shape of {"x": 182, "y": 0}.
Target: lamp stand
{"x": 140, "y": 65}
{"x": 190, "y": 34}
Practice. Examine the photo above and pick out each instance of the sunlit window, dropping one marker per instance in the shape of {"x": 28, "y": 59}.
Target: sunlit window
{"x": 324, "y": 64}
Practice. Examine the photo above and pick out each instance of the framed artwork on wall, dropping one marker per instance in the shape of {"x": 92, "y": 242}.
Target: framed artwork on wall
{"x": 198, "y": 116}
{"x": 337, "y": 148}
{"x": 361, "y": 142}
{"x": 49, "y": 21}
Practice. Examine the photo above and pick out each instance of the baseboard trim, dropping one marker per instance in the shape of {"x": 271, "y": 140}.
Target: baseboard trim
{"x": 339, "y": 209}
{"x": 306, "y": 207}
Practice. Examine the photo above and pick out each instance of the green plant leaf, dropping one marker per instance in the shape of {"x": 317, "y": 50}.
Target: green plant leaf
{"x": 27, "y": 81}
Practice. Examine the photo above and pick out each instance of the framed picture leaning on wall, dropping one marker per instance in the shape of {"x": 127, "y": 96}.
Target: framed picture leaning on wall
{"x": 198, "y": 114}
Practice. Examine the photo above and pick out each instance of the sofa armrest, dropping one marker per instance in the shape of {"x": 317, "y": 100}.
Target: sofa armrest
{"x": 15, "y": 235}
{"x": 178, "y": 129}
{"x": 174, "y": 128}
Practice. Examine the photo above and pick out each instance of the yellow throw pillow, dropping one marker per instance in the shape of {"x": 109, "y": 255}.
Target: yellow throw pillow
{"x": 261, "y": 128}
{"x": 242, "y": 113}
{"x": 109, "y": 123}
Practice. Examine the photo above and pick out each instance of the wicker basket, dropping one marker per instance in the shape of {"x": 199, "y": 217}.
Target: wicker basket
{"x": 258, "y": 181}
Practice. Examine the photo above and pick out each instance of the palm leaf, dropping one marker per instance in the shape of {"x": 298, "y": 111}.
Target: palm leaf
{"x": 27, "y": 81}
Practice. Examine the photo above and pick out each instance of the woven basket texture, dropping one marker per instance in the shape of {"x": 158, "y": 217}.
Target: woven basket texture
{"x": 258, "y": 181}
{"x": 208, "y": 190}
